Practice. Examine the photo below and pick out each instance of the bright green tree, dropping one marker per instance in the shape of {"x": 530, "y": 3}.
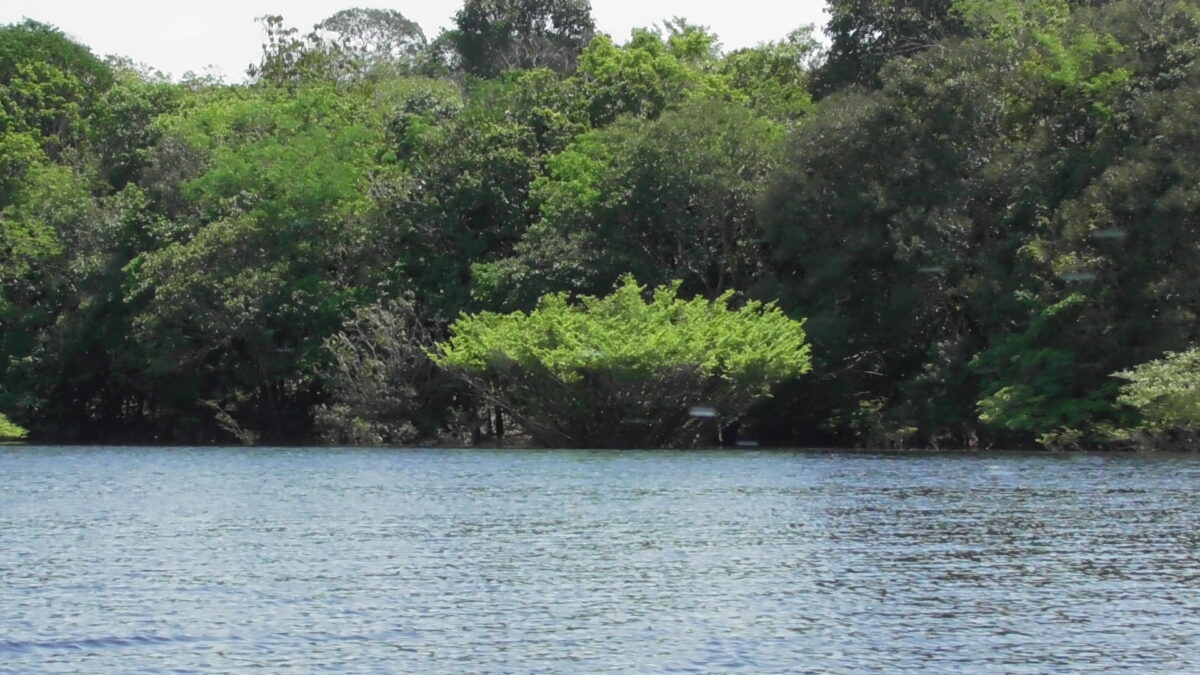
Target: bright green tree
{"x": 649, "y": 74}
{"x": 774, "y": 78}
{"x": 620, "y": 371}
{"x": 1165, "y": 395}
{"x": 50, "y": 86}
{"x": 1166, "y": 391}
{"x": 10, "y": 431}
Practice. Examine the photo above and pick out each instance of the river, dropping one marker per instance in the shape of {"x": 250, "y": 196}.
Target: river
{"x": 229, "y": 559}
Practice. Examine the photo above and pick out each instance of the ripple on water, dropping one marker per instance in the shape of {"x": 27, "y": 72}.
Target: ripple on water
{"x": 126, "y": 559}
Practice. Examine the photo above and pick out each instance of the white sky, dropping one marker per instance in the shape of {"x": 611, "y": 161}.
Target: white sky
{"x": 177, "y": 36}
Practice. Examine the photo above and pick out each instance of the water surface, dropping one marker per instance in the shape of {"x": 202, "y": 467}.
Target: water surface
{"x": 218, "y": 560}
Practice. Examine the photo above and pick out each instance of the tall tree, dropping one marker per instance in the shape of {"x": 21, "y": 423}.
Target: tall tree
{"x": 865, "y": 35}
{"x": 292, "y": 59}
{"x": 650, "y": 74}
{"x": 49, "y": 85}
{"x": 377, "y": 38}
{"x": 492, "y": 36}
{"x": 235, "y": 305}
{"x": 775, "y": 78}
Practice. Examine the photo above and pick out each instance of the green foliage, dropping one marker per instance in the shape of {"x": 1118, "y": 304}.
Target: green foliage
{"x": 583, "y": 374}
{"x": 1166, "y": 391}
{"x": 1052, "y": 47}
{"x": 123, "y": 129}
{"x": 1164, "y": 397}
{"x": 981, "y": 175}
{"x": 493, "y": 36}
{"x": 49, "y": 85}
{"x": 867, "y": 34}
{"x": 661, "y": 199}
{"x": 648, "y": 75}
{"x": 1031, "y": 384}
{"x": 10, "y": 431}
{"x": 475, "y": 172}
{"x": 25, "y": 238}
{"x": 195, "y": 261}
{"x": 774, "y": 78}
{"x": 273, "y": 260}
{"x": 883, "y": 214}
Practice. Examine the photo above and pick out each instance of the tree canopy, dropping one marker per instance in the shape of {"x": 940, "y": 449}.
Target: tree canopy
{"x": 620, "y": 371}
{"x": 982, "y": 210}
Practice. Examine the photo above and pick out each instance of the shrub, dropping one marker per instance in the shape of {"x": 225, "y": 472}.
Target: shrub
{"x": 10, "y": 431}
{"x": 1166, "y": 391}
{"x": 1031, "y": 380}
{"x": 1166, "y": 394}
{"x": 622, "y": 372}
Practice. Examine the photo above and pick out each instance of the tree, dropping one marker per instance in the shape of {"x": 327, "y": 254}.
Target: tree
{"x": 50, "y": 90}
{"x": 70, "y": 219}
{"x": 671, "y": 198}
{"x": 1166, "y": 394}
{"x": 123, "y": 132}
{"x": 1014, "y": 191}
{"x": 384, "y": 389}
{"x": 1103, "y": 110}
{"x": 773, "y": 78}
{"x": 1126, "y": 226}
{"x": 472, "y": 172}
{"x": 649, "y": 74}
{"x": 990, "y": 209}
{"x": 235, "y": 307}
{"x": 883, "y": 231}
{"x": 622, "y": 372}
{"x": 1030, "y": 382}
{"x": 492, "y": 36}
{"x": 379, "y": 39}
{"x": 25, "y": 239}
{"x": 52, "y": 236}
{"x": 10, "y": 431}
{"x": 290, "y": 59}
{"x": 49, "y": 85}
{"x": 866, "y": 34}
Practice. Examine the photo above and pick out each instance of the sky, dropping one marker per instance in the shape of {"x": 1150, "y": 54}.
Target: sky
{"x": 221, "y": 36}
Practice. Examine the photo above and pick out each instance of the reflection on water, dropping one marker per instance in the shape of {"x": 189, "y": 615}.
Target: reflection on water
{"x": 121, "y": 559}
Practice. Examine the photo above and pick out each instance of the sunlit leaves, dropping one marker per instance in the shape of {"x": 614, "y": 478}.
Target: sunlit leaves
{"x": 279, "y": 246}
{"x": 644, "y": 77}
{"x": 1048, "y": 44}
{"x": 621, "y": 353}
{"x": 49, "y": 85}
{"x": 10, "y": 431}
{"x": 774, "y": 78}
{"x": 1165, "y": 391}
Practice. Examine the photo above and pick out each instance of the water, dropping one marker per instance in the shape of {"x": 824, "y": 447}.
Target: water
{"x": 220, "y": 560}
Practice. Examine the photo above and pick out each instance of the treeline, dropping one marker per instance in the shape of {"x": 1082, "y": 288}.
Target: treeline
{"x": 984, "y": 208}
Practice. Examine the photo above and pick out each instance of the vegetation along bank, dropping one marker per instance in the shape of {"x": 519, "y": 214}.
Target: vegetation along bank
{"x": 972, "y": 223}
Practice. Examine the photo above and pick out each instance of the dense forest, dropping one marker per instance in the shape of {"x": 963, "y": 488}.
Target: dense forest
{"x": 987, "y": 212}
